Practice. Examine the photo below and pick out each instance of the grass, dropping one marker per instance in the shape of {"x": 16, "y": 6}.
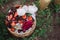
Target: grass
{"x": 43, "y": 25}
{"x": 2, "y": 2}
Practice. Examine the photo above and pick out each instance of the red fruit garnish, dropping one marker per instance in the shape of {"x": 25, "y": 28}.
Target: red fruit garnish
{"x": 10, "y": 17}
{"x": 20, "y": 21}
{"x": 12, "y": 29}
{"x": 27, "y": 25}
{"x": 30, "y": 18}
{"x": 15, "y": 14}
{"x": 13, "y": 23}
{"x": 24, "y": 16}
{"x": 13, "y": 19}
{"x": 9, "y": 13}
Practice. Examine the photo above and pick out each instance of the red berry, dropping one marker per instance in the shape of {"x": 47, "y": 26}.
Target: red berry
{"x": 12, "y": 29}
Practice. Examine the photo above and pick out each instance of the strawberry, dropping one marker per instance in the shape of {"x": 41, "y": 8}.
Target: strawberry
{"x": 12, "y": 29}
{"x": 24, "y": 16}
{"x": 13, "y": 23}
{"x": 30, "y": 18}
{"x": 20, "y": 21}
{"x": 15, "y": 14}
{"x": 10, "y": 17}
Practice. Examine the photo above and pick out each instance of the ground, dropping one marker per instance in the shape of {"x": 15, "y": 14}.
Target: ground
{"x": 47, "y": 27}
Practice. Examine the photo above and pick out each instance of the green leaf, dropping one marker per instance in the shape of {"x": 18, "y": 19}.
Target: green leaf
{"x": 42, "y": 32}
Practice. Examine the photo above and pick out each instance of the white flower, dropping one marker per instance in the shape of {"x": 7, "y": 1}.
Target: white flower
{"x": 25, "y": 7}
{"x": 32, "y": 9}
{"x": 21, "y": 11}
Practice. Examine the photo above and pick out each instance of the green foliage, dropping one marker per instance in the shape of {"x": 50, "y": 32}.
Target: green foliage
{"x": 2, "y": 2}
{"x": 57, "y": 8}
